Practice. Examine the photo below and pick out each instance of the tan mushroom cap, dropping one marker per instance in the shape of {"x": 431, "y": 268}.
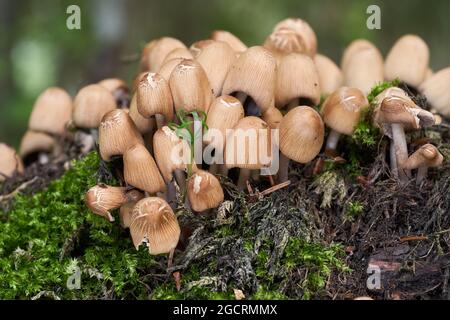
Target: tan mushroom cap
{"x": 154, "y": 97}
{"x": 304, "y": 30}
{"x": 249, "y": 147}
{"x": 342, "y": 109}
{"x": 33, "y": 142}
{"x": 117, "y": 133}
{"x": 10, "y": 162}
{"x": 51, "y": 112}
{"x": 102, "y": 198}
{"x": 426, "y": 156}
{"x": 190, "y": 87}
{"x": 126, "y": 210}
{"x": 154, "y": 224}
{"x": 224, "y": 113}
{"x": 113, "y": 85}
{"x": 140, "y": 170}
{"x": 354, "y": 47}
{"x": 253, "y": 73}
{"x": 234, "y": 42}
{"x": 284, "y": 41}
{"x": 156, "y": 51}
{"x": 166, "y": 69}
{"x": 272, "y": 117}
{"x": 204, "y": 191}
{"x": 408, "y": 60}
{"x": 90, "y": 105}
{"x": 297, "y": 77}
{"x": 198, "y": 46}
{"x": 330, "y": 76}
{"x": 177, "y": 53}
{"x": 143, "y": 125}
{"x": 301, "y": 134}
{"x": 216, "y": 59}
{"x": 436, "y": 89}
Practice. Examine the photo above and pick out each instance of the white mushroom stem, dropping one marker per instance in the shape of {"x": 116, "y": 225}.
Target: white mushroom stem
{"x": 393, "y": 160}
{"x": 422, "y": 172}
{"x": 332, "y": 140}
{"x": 401, "y": 151}
{"x": 283, "y": 168}
{"x": 244, "y": 175}
{"x": 94, "y": 134}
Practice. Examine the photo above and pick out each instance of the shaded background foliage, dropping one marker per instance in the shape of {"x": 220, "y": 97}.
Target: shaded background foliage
{"x": 38, "y": 51}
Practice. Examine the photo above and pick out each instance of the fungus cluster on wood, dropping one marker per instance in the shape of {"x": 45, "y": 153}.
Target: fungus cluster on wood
{"x": 275, "y": 87}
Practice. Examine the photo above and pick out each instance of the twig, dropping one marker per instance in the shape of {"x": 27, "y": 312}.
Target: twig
{"x": 413, "y": 238}
{"x": 23, "y": 186}
{"x": 275, "y": 188}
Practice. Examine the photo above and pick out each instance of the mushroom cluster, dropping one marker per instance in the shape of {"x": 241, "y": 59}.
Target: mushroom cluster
{"x": 271, "y": 92}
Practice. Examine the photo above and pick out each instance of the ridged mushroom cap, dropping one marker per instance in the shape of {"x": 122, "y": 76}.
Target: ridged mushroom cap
{"x": 234, "y": 42}
{"x": 354, "y": 47}
{"x": 117, "y": 133}
{"x": 177, "y": 53}
{"x": 204, "y": 191}
{"x": 154, "y": 97}
{"x": 304, "y": 30}
{"x": 436, "y": 89}
{"x": 140, "y": 170}
{"x": 330, "y": 76}
{"x": 126, "y": 210}
{"x": 33, "y": 142}
{"x": 408, "y": 61}
{"x": 284, "y": 41}
{"x": 51, "y": 111}
{"x": 342, "y": 109}
{"x": 272, "y": 117}
{"x": 102, "y": 198}
{"x": 301, "y": 134}
{"x": 90, "y": 105}
{"x": 297, "y": 78}
{"x": 10, "y": 162}
{"x": 190, "y": 87}
{"x": 426, "y": 156}
{"x": 156, "y": 51}
{"x": 154, "y": 224}
{"x": 144, "y": 125}
{"x": 198, "y": 46}
{"x": 253, "y": 73}
{"x": 166, "y": 69}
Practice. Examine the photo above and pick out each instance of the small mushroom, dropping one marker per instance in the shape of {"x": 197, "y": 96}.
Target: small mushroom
{"x": 10, "y": 162}
{"x": 284, "y": 41}
{"x": 427, "y": 156}
{"x": 234, "y": 42}
{"x": 272, "y": 117}
{"x": 330, "y": 76}
{"x": 36, "y": 146}
{"x": 119, "y": 89}
{"x": 156, "y": 51}
{"x": 166, "y": 69}
{"x": 126, "y": 210}
{"x": 204, "y": 191}
{"x": 304, "y": 30}
{"x": 145, "y": 126}
{"x": 177, "y": 53}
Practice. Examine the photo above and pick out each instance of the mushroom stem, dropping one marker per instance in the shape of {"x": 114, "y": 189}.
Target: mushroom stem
{"x": 401, "y": 151}
{"x": 283, "y": 169}
{"x": 393, "y": 161}
{"x": 181, "y": 180}
{"x": 421, "y": 174}
{"x": 332, "y": 140}
{"x": 244, "y": 175}
{"x": 94, "y": 134}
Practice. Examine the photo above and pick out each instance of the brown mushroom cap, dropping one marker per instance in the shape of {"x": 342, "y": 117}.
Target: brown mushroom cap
{"x": 297, "y": 77}
{"x": 354, "y": 47}
{"x": 33, "y": 142}
{"x": 90, "y": 105}
{"x": 284, "y": 41}
{"x": 436, "y": 89}
{"x": 51, "y": 111}
{"x": 10, "y": 162}
{"x": 301, "y": 134}
{"x": 272, "y": 117}
{"x": 143, "y": 125}
{"x": 330, "y": 76}
{"x": 140, "y": 170}
{"x": 113, "y": 85}
{"x": 342, "y": 109}
{"x": 204, "y": 191}
{"x": 154, "y": 224}
{"x": 177, "y": 53}
{"x": 102, "y": 198}
{"x": 426, "y": 156}
{"x": 408, "y": 60}
{"x": 198, "y": 46}
{"x": 253, "y": 73}
{"x": 190, "y": 87}
{"x": 234, "y": 42}
{"x": 117, "y": 133}
{"x": 155, "y": 53}
{"x": 304, "y": 30}
{"x": 243, "y": 147}
{"x": 154, "y": 97}
{"x": 166, "y": 69}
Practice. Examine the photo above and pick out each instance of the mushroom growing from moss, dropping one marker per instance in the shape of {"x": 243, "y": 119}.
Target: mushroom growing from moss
{"x": 10, "y": 162}
{"x": 204, "y": 191}
{"x": 427, "y": 156}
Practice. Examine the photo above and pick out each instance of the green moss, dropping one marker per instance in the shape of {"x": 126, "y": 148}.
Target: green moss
{"x": 379, "y": 88}
{"x": 354, "y": 209}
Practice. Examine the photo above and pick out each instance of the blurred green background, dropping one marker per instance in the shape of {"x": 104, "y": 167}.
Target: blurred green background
{"x": 37, "y": 50}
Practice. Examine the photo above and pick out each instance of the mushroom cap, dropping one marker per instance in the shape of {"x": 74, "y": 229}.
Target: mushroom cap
{"x": 204, "y": 191}
{"x": 198, "y": 46}
{"x": 166, "y": 69}
{"x": 408, "y": 60}
{"x": 183, "y": 53}
{"x": 253, "y": 73}
{"x": 284, "y": 41}
{"x": 155, "y": 52}
{"x": 330, "y": 76}
{"x": 436, "y": 89}
{"x": 143, "y": 125}
{"x": 301, "y": 134}
{"x": 273, "y": 117}
{"x": 297, "y": 77}
{"x": 355, "y": 46}
{"x": 102, "y": 198}
{"x": 51, "y": 111}
{"x": 117, "y": 133}
{"x": 364, "y": 69}
{"x": 426, "y": 156}
{"x": 136, "y": 80}
{"x": 125, "y": 213}
{"x": 154, "y": 224}
{"x": 304, "y": 30}
{"x": 224, "y": 113}
{"x": 140, "y": 170}
{"x": 190, "y": 87}
{"x": 90, "y": 105}
{"x": 216, "y": 58}
{"x": 234, "y": 42}
{"x": 33, "y": 142}
{"x": 249, "y": 146}
{"x": 171, "y": 152}
{"x": 114, "y": 84}
{"x": 10, "y": 162}
{"x": 154, "y": 97}
{"x": 342, "y": 109}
